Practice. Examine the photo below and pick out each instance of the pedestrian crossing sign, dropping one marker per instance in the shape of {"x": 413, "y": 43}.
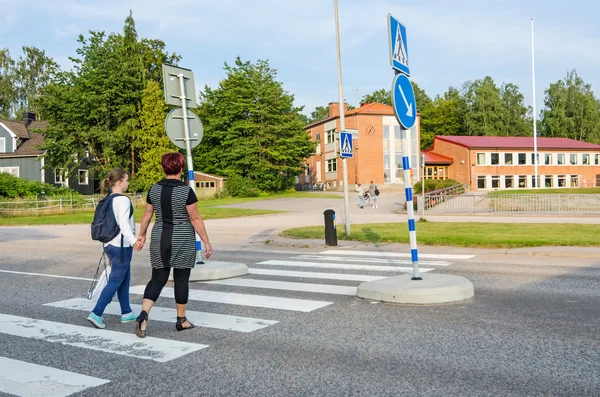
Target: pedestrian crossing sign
{"x": 346, "y": 144}
{"x": 398, "y": 45}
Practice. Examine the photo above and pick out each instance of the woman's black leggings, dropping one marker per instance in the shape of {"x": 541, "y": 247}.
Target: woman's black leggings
{"x": 181, "y": 277}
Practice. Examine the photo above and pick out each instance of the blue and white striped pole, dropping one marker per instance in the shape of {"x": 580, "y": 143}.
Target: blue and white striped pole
{"x": 412, "y": 231}
{"x": 188, "y": 150}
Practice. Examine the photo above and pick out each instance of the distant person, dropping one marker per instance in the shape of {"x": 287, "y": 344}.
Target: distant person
{"x": 373, "y": 194}
{"x": 119, "y": 250}
{"x": 173, "y": 243}
{"x": 361, "y": 196}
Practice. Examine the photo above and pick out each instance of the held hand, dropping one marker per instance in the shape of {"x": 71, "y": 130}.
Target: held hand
{"x": 138, "y": 245}
{"x": 142, "y": 239}
{"x": 208, "y": 249}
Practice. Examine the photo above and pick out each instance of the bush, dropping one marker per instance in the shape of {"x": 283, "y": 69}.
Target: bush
{"x": 238, "y": 186}
{"x": 434, "y": 184}
{"x": 13, "y": 187}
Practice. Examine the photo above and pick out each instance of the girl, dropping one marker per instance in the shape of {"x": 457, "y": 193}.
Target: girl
{"x": 119, "y": 250}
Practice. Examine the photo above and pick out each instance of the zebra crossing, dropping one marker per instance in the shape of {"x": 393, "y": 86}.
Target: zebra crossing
{"x": 288, "y": 276}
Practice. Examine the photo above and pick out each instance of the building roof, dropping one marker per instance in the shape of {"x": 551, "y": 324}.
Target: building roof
{"x": 508, "y": 142}
{"x": 367, "y": 108}
{"x": 29, "y": 148}
{"x": 16, "y": 128}
{"x": 434, "y": 158}
{"x": 209, "y": 175}
{"x": 37, "y": 125}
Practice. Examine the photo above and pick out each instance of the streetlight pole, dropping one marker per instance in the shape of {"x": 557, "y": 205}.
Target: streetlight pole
{"x": 342, "y": 123}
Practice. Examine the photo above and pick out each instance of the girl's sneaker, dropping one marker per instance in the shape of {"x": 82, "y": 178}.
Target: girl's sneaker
{"x": 128, "y": 318}
{"x": 96, "y": 320}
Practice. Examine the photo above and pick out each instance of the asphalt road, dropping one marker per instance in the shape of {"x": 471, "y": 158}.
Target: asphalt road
{"x": 531, "y": 329}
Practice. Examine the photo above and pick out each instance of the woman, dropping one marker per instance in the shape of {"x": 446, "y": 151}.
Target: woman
{"x": 173, "y": 242}
{"x": 119, "y": 250}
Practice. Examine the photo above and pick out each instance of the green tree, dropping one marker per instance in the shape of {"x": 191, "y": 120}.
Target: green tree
{"x": 8, "y": 93}
{"x": 152, "y": 141}
{"x": 571, "y": 110}
{"x": 485, "y": 110}
{"x": 444, "y": 116}
{"x": 516, "y": 121}
{"x": 380, "y": 96}
{"x": 252, "y": 129}
{"x": 154, "y": 56}
{"x": 320, "y": 113}
{"x": 34, "y": 71}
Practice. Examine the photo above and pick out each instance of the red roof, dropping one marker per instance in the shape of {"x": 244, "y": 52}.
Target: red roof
{"x": 516, "y": 142}
{"x": 434, "y": 158}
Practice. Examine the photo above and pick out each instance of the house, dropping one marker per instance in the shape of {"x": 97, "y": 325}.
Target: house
{"x": 20, "y": 156}
{"x": 497, "y": 162}
{"x": 208, "y": 185}
{"x": 377, "y": 151}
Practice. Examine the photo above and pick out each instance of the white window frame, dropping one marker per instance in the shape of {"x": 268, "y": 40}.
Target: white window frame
{"x": 87, "y": 180}
{"x": 58, "y": 178}
{"x": 10, "y": 170}
{"x": 332, "y": 165}
{"x": 571, "y": 158}
{"x": 492, "y": 158}
{"x": 330, "y": 136}
{"x": 584, "y": 156}
{"x": 548, "y": 156}
{"x": 512, "y": 159}
{"x": 478, "y": 158}
{"x": 2, "y": 145}
{"x": 519, "y": 158}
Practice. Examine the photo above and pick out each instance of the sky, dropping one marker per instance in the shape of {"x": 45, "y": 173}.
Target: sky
{"x": 449, "y": 42}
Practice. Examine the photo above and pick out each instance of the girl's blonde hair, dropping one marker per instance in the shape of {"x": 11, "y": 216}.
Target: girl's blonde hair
{"x": 113, "y": 177}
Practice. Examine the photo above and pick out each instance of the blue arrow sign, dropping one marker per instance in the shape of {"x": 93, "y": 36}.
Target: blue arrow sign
{"x": 398, "y": 45}
{"x": 403, "y": 100}
{"x": 346, "y": 144}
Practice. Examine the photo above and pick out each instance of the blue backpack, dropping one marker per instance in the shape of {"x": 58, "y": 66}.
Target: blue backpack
{"x": 105, "y": 226}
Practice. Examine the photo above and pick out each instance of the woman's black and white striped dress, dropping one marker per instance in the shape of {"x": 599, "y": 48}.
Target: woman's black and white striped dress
{"x": 173, "y": 241}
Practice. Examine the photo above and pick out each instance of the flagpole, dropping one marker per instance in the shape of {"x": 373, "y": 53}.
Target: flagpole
{"x": 535, "y": 155}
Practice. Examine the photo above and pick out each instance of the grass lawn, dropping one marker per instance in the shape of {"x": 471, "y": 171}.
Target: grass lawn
{"x": 577, "y": 190}
{"x": 484, "y": 235}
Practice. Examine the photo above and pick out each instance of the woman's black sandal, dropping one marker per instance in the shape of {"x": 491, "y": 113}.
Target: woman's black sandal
{"x": 138, "y": 324}
{"x": 179, "y": 324}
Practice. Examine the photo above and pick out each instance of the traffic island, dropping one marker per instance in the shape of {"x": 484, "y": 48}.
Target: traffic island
{"x": 215, "y": 270}
{"x": 432, "y": 289}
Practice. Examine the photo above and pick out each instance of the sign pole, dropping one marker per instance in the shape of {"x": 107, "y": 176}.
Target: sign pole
{"x": 188, "y": 149}
{"x": 342, "y": 122}
{"x": 423, "y": 185}
{"x": 410, "y": 211}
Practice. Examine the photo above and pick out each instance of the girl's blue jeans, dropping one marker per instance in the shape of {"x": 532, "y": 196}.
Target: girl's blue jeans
{"x": 118, "y": 281}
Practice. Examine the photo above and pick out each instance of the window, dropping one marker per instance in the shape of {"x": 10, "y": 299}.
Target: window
{"x": 197, "y": 184}
{"x": 495, "y": 182}
{"x": 560, "y": 159}
{"x": 533, "y": 162}
{"x": 533, "y": 183}
{"x": 522, "y": 181}
{"x": 82, "y": 177}
{"x": 2, "y": 145}
{"x": 562, "y": 181}
{"x": 574, "y": 180}
{"x": 480, "y": 158}
{"x": 212, "y": 184}
{"x": 548, "y": 159}
{"x": 522, "y": 159}
{"x": 508, "y": 158}
{"x": 332, "y": 165}
{"x": 481, "y": 182}
{"x": 573, "y": 159}
{"x": 508, "y": 181}
{"x": 318, "y": 140}
{"x": 585, "y": 159}
{"x": 597, "y": 159}
{"x": 10, "y": 170}
{"x": 58, "y": 177}
{"x": 548, "y": 181}
{"x": 495, "y": 158}
{"x": 330, "y": 137}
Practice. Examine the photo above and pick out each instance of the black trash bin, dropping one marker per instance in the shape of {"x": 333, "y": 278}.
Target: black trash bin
{"x": 330, "y": 228}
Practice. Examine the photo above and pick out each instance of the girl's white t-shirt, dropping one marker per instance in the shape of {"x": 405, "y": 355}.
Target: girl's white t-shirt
{"x": 121, "y": 207}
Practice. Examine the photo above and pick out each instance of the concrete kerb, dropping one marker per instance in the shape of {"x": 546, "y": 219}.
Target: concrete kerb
{"x": 432, "y": 289}
{"x": 216, "y": 270}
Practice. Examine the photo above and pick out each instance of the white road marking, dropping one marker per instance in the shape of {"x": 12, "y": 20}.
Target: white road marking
{"x": 161, "y": 350}
{"x": 315, "y": 275}
{"x": 288, "y": 286}
{"x": 199, "y": 319}
{"x": 370, "y": 260}
{"x": 395, "y": 254}
{"x": 46, "y": 275}
{"x": 25, "y": 379}
{"x": 230, "y": 298}
{"x": 341, "y": 266}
